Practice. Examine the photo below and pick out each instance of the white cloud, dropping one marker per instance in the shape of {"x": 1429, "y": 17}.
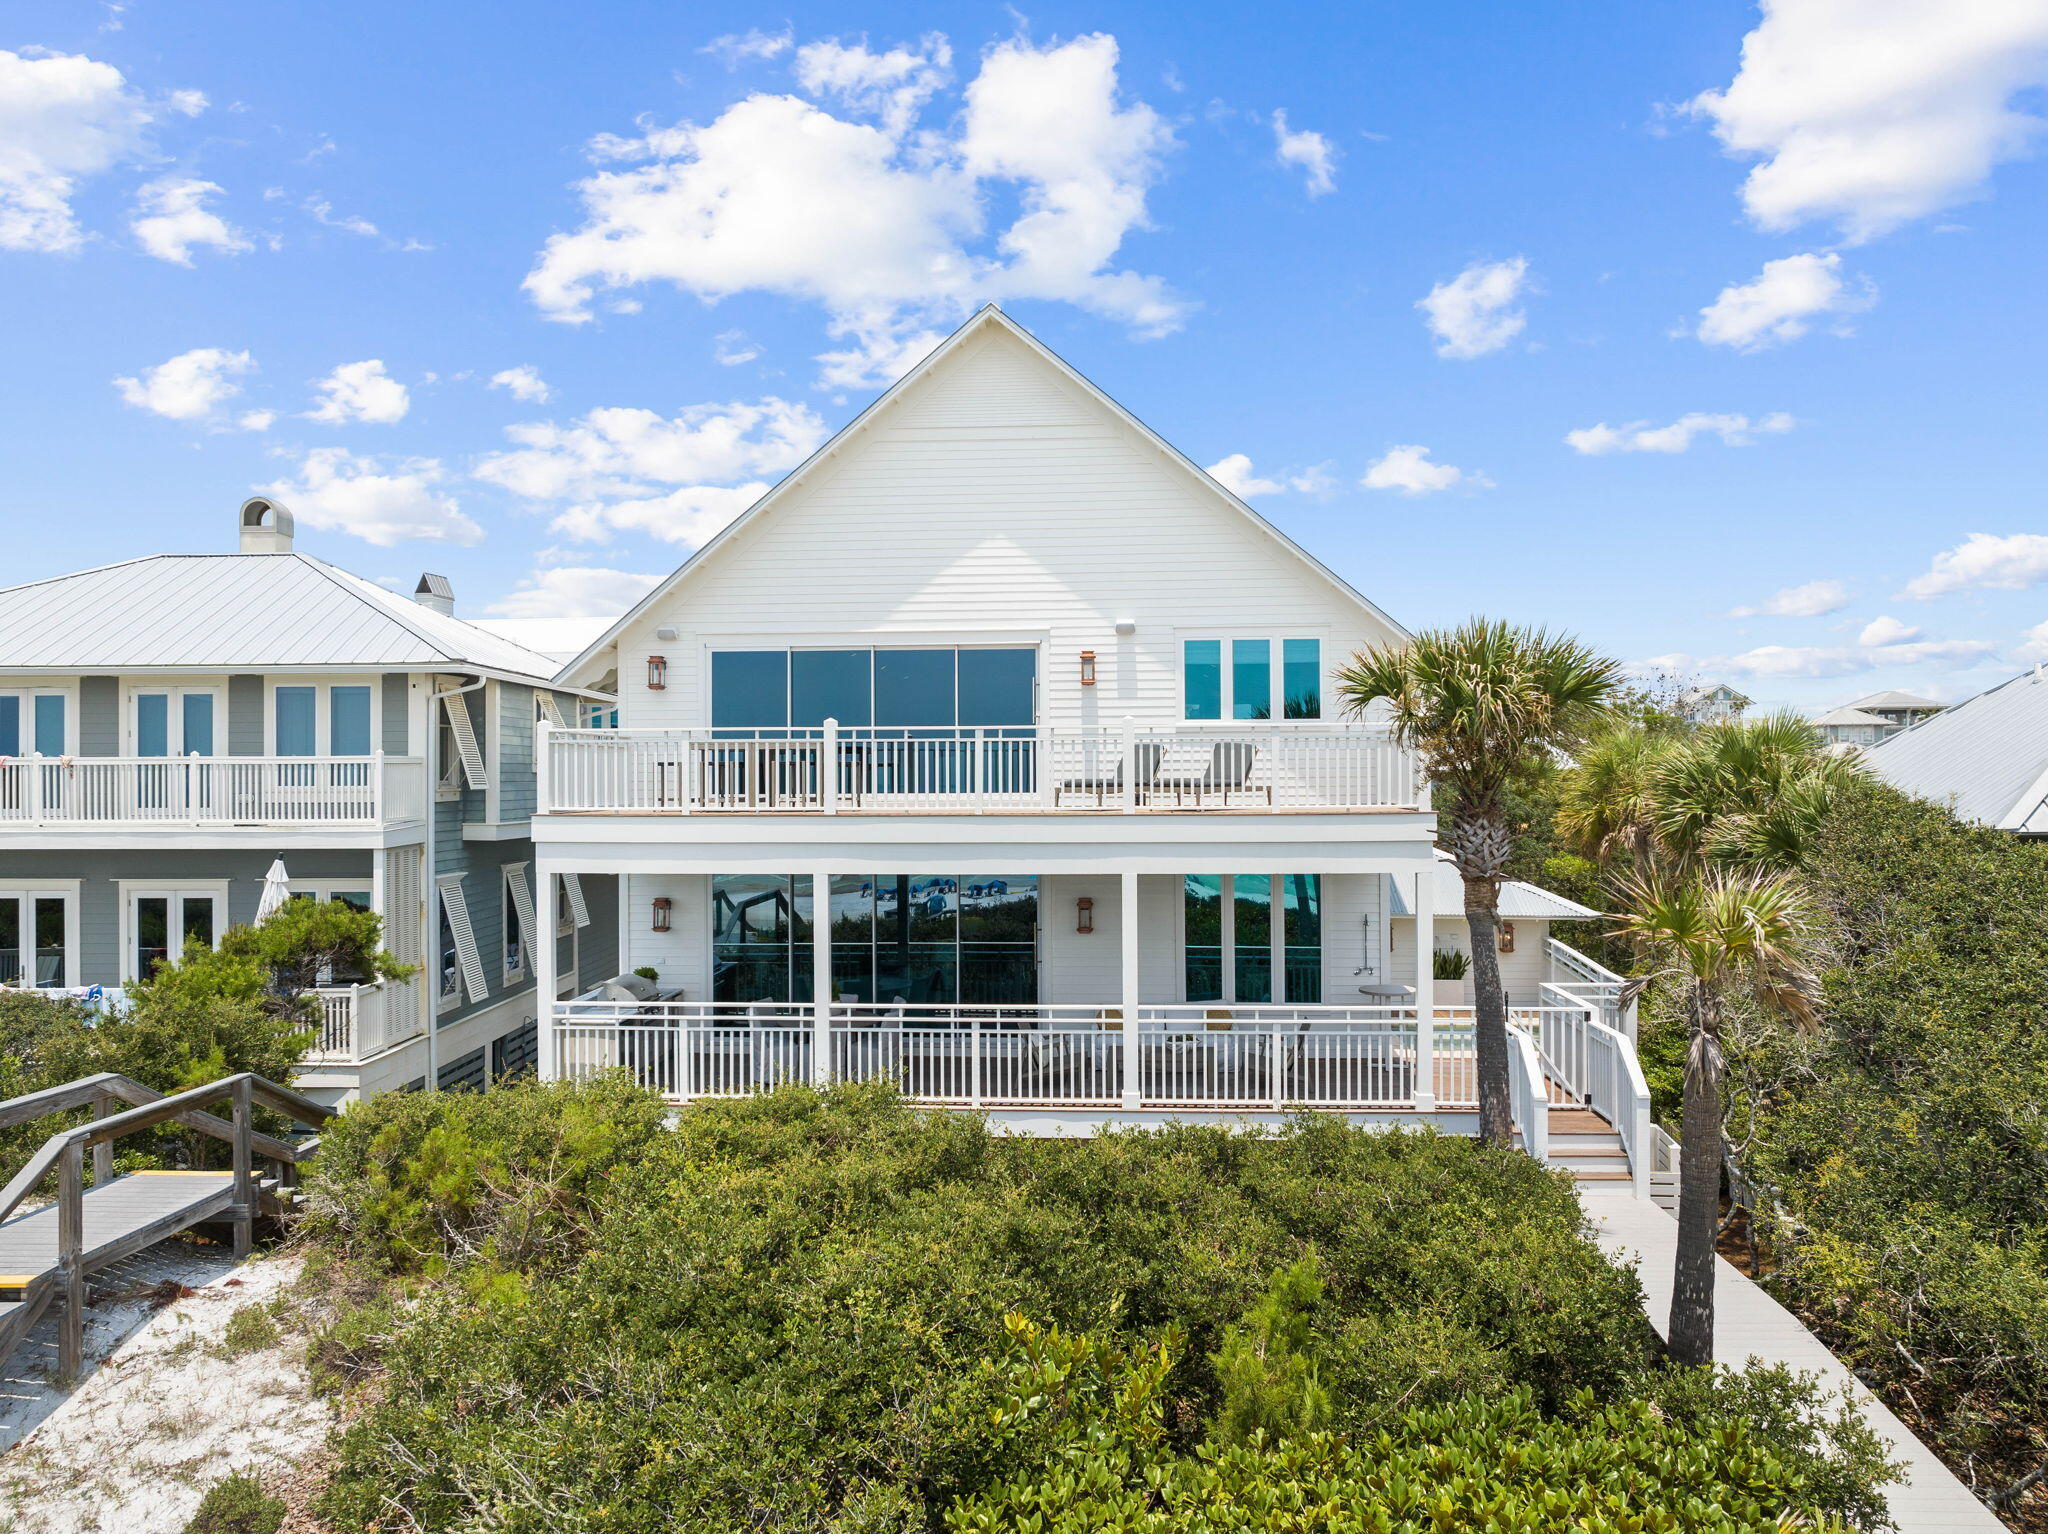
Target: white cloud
{"x": 190, "y": 386}
{"x": 1781, "y": 302}
{"x": 2034, "y": 648}
{"x": 575, "y": 591}
{"x": 1887, "y": 630}
{"x": 731, "y": 348}
{"x": 891, "y": 86}
{"x": 256, "y": 420}
{"x": 63, "y": 117}
{"x": 1815, "y": 599}
{"x": 1982, "y": 561}
{"x": 524, "y": 382}
{"x": 354, "y": 223}
{"x": 1312, "y": 153}
{"x": 1474, "y": 313}
{"x": 1642, "y": 437}
{"x": 1234, "y": 473}
{"x": 884, "y": 224}
{"x": 737, "y": 48}
{"x": 344, "y": 492}
{"x": 360, "y": 391}
{"x": 1870, "y": 113}
{"x": 1779, "y": 660}
{"x": 1409, "y": 470}
{"x": 680, "y": 479}
{"x": 171, "y": 217}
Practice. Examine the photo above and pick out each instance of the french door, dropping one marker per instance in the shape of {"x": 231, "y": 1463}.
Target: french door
{"x": 163, "y": 923}
{"x": 35, "y": 938}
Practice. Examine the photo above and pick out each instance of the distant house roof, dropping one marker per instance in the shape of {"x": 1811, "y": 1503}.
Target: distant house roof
{"x": 1518, "y": 901}
{"x": 256, "y": 612}
{"x": 1987, "y": 757}
{"x": 1893, "y": 700}
{"x": 1851, "y": 714}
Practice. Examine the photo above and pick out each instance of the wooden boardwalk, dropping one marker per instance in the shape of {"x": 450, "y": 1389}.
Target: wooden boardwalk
{"x": 121, "y": 1217}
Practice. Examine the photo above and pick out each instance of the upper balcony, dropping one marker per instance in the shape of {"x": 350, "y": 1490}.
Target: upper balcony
{"x": 82, "y": 795}
{"x": 1046, "y": 768}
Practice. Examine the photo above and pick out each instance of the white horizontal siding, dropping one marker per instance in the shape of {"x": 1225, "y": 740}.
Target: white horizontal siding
{"x": 996, "y": 503}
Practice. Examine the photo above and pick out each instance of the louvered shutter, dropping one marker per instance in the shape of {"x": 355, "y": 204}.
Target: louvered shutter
{"x": 551, "y": 711}
{"x": 573, "y": 883}
{"x": 460, "y": 725}
{"x": 522, "y": 902}
{"x": 457, "y": 907}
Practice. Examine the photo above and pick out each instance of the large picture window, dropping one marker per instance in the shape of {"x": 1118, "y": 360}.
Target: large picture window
{"x": 1227, "y": 926}
{"x": 918, "y": 938}
{"x": 1252, "y": 679}
{"x": 936, "y": 689}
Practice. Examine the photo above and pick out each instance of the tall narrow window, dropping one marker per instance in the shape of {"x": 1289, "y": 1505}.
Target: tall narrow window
{"x": 1301, "y": 679}
{"x": 348, "y": 721}
{"x": 152, "y": 933}
{"x": 197, "y": 716}
{"x": 1254, "y": 914}
{"x": 1202, "y": 905}
{"x": 14, "y": 962}
{"x": 51, "y": 953}
{"x": 50, "y": 723}
{"x": 1304, "y": 937}
{"x": 1251, "y": 679}
{"x": 1202, "y": 678}
{"x": 153, "y": 724}
{"x": 296, "y": 724}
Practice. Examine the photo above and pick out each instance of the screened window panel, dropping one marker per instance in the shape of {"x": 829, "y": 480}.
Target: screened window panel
{"x": 153, "y": 724}
{"x": 998, "y": 688}
{"x": 914, "y": 687}
{"x": 348, "y": 721}
{"x": 750, "y": 689}
{"x": 296, "y": 729}
{"x": 831, "y": 684}
{"x": 196, "y": 710}
{"x": 49, "y": 712}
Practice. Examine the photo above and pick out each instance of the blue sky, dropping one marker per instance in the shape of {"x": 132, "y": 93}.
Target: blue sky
{"x": 537, "y": 296}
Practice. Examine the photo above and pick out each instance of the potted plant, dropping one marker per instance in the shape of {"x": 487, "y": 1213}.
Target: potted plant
{"x": 1453, "y": 972}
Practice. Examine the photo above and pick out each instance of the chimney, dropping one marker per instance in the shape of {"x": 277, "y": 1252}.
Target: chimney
{"x": 266, "y": 526}
{"x": 435, "y": 594}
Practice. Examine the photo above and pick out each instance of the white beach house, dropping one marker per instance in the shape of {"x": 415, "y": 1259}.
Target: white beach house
{"x": 996, "y": 751}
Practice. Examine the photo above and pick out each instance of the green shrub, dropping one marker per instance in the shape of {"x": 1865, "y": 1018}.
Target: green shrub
{"x": 416, "y": 1180}
{"x": 1474, "y": 1463}
{"x": 237, "y": 1505}
{"x": 1267, "y": 1367}
{"x": 249, "y": 1330}
{"x": 775, "y": 1317}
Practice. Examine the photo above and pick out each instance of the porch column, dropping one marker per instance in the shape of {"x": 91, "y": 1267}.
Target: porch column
{"x": 1226, "y": 948}
{"x": 1425, "y": 989}
{"x": 821, "y": 979}
{"x": 1276, "y": 918}
{"x": 1127, "y": 928}
{"x": 540, "y": 947}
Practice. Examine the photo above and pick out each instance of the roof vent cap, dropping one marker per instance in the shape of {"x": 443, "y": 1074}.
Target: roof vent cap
{"x": 435, "y": 594}
{"x": 266, "y": 526}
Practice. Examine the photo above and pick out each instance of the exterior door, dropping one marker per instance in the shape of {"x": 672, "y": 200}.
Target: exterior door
{"x": 163, "y": 922}
{"x": 35, "y": 947}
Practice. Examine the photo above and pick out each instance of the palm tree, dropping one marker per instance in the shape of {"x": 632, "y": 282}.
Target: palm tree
{"x": 1605, "y": 804}
{"x": 1715, "y": 933}
{"x": 1484, "y": 705}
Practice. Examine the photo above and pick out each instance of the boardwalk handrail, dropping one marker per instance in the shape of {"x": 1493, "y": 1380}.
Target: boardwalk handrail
{"x": 65, "y": 1151}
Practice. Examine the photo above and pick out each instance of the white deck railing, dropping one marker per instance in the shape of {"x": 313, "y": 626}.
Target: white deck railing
{"x": 140, "y": 792}
{"x": 1591, "y": 984}
{"x": 358, "y": 1022}
{"x": 1194, "y": 1055}
{"x": 837, "y": 770}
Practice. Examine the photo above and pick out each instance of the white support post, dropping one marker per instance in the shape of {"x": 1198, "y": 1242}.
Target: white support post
{"x": 1127, "y": 930}
{"x": 541, "y": 945}
{"x": 1130, "y": 769}
{"x": 821, "y": 975}
{"x": 828, "y": 768}
{"x": 1425, "y": 989}
{"x": 1277, "y": 915}
{"x": 542, "y": 733}
{"x": 1226, "y": 950}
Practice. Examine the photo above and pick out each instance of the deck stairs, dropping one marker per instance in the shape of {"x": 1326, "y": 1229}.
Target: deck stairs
{"x": 48, "y": 1253}
{"x": 1586, "y": 1145}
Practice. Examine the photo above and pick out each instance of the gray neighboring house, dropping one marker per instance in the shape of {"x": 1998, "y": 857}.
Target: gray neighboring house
{"x": 171, "y": 725}
{"x": 1987, "y": 758}
{"x": 1878, "y": 717}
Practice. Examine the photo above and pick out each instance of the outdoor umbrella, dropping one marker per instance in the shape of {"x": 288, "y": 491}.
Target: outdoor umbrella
{"x": 277, "y": 889}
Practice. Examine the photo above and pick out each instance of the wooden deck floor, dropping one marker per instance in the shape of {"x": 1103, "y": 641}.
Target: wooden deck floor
{"x": 122, "y": 1217}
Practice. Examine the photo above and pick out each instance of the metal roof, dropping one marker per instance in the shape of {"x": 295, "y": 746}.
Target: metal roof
{"x": 257, "y": 612}
{"x": 1987, "y": 758}
{"x": 1518, "y": 901}
{"x": 1849, "y": 713}
{"x": 1892, "y": 700}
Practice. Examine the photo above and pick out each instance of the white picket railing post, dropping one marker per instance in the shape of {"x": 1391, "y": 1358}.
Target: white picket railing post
{"x": 828, "y": 767}
{"x": 821, "y": 977}
{"x": 543, "y": 789}
{"x": 1130, "y": 767}
{"x": 1425, "y": 990}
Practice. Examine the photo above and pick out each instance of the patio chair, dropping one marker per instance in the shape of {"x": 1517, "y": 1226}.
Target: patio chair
{"x": 1230, "y": 771}
{"x": 1148, "y": 760}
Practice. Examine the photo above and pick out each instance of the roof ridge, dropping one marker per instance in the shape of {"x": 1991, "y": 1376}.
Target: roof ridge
{"x": 348, "y": 580}
{"x": 69, "y": 575}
